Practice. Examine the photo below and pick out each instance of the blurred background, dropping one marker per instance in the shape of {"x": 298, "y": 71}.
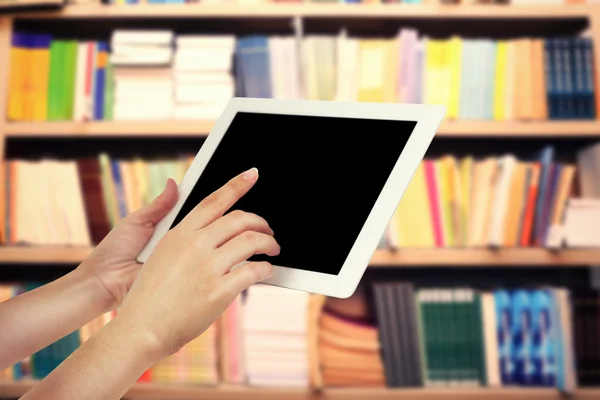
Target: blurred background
{"x": 484, "y": 285}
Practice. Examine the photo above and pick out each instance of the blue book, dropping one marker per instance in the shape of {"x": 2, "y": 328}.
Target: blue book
{"x": 578, "y": 79}
{"x": 550, "y": 199}
{"x": 588, "y": 73}
{"x": 558, "y": 340}
{"x": 522, "y": 337}
{"x": 99, "y": 83}
{"x": 502, "y": 302}
{"x": 544, "y": 346}
{"x": 569, "y": 91}
{"x": 551, "y": 83}
{"x": 545, "y": 158}
{"x": 119, "y": 189}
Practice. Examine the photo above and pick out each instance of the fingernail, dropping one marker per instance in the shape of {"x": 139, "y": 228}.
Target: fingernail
{"x": 251, "y": 174}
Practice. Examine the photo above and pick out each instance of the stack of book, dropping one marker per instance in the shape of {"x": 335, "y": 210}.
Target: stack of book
{"x": 142, "y": 74}
{"x": 275, "y": 337}
{"x": 203, "y": 76}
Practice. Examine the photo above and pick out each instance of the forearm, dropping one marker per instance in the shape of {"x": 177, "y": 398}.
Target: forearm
{"x": 38, "y": 318}
{"x": 104, "y": 367}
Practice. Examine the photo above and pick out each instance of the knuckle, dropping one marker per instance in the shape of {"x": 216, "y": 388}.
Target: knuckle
{"x": 238, "y": 216}
{"x": 255, "y": 269}
{"x": 237, "y": 185}
{"x": 252, "y": 237}
{"x": 210, "y": 200}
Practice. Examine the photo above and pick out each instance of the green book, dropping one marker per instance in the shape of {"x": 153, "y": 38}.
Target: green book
{"x": 480, "y": 340}
{"x": 109, "y": 92}
{"x": 68, "y": 82}
{"x": 54, "y": 81}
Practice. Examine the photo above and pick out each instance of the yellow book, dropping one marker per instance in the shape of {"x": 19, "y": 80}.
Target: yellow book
{"x": 40, "y": 60}
{"x": 453, "y": 56}
{"x": 108, "y": 189}
{"x": 371, "y": 80}
{"x": 442, "y": 172}
{"x": 510, "y": 80}
{"x": 466, "y": 176}
{"x": 433, "y": 72}
{"x": 391, "y": 65}
{"x": 412, "y": 219}
{"x": 500, "y": 81}
{"x": 452, "y": 200}
{"x": 19, "y": 53}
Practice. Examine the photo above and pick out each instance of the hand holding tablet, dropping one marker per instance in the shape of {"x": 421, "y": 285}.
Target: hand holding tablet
{"x": 331, "y": 176}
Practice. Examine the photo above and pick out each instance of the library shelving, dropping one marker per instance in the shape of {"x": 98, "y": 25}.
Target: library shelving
{"x": 467, "y": 258}
{"x": 145, "y": 391}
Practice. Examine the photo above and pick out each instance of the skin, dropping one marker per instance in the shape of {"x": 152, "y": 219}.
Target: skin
{"x": 184, "y": 286}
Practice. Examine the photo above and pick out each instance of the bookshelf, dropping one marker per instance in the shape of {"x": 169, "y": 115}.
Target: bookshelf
{"x": 143, "y": 391}
{"x": 552, "y": 16}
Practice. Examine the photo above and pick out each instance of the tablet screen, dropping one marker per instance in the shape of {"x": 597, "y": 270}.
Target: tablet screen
{"x": 319, "y": 178}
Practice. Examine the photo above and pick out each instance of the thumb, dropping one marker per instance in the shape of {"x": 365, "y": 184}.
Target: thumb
{"x": 159, "y": 207}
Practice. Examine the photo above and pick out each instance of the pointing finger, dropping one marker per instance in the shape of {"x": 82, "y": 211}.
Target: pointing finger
{"x": 217, "y": 203}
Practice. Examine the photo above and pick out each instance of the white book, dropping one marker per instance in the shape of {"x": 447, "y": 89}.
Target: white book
{"x": 157, "y": 37}
{"x": 500, "y": 201}
{"x": 205, "y": 41}
{"x": 204, "y": 93}
{"x": 79, "y": 106}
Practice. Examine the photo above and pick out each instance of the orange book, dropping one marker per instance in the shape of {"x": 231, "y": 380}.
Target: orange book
{"x": 12, "y": 201}
{"x": 564, "y": 188}
{"x": 3, "y": 174}
{"x": 515, "y": 203}
{"x": 540, "y": 106}
{"x": 529, "y": 213}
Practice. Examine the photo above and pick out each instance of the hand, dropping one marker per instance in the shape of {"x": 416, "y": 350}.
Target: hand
{"x": 113, "y": 262}
{"x": 186, "y": 283}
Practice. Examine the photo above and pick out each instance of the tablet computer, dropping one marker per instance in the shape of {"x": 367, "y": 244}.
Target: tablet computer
{"x": 331, "y": 175}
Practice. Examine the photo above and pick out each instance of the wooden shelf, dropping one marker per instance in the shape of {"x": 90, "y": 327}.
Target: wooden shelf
{"x": 11, "y": 4}
{"x": 120, "y": 128}
{"x": 319, "y": 11}
{"x": 468, "y": 258}
{"x": 146, "y": 391}
{"x": 201, "y": 128}
{"x": 43, "y": 255}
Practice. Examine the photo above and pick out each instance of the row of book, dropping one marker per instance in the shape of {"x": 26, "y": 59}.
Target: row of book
{"x": 500, "y": 202}
{"x": 388, "y": 334}
{"x": 160, "y": 75}
{"x": 495, "y": 201}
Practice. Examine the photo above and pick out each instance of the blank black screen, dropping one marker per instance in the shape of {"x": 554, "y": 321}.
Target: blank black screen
{"x": 319, "y": 178}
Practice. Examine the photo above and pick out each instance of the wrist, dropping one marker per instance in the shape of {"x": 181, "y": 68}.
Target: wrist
{"x": 98, "y": 291}
{"x": 142, "y": 343}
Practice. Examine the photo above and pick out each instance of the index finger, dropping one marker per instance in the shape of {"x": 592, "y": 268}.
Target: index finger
{"x": 217, "y": 203}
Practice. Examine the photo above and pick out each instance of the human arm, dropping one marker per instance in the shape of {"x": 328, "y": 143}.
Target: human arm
{"x": 40, "y": 317}
{"x": 182, "y": 289}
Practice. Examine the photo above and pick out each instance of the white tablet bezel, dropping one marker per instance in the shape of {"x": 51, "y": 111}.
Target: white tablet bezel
{"x": 427, "y": 118}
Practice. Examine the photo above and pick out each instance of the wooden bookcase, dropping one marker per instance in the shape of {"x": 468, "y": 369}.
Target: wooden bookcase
{"x": 553, "y": 15}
